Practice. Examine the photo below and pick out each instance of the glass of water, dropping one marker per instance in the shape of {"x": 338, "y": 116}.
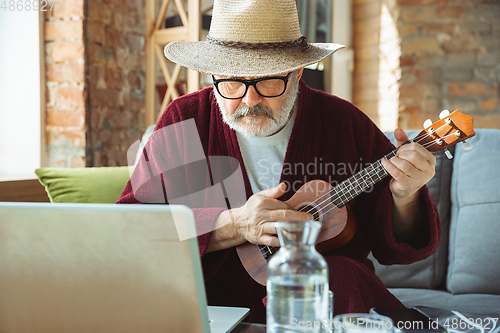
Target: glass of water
{"x": 362, "y": 323}
{"x": 297, "y": 281}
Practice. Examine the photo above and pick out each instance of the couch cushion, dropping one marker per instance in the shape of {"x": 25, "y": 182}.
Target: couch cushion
{"x": 431, "y": 272}
{"x": 84, "y": 185}
{"x": 468, "y": 304}
{"x": 475, "y": 195}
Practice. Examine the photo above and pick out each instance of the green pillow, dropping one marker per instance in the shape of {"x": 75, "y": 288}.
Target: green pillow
{"x": 84, "y": 185}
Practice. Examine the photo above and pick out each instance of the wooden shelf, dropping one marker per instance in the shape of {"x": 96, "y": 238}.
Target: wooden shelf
{"x": 156, "y": 37}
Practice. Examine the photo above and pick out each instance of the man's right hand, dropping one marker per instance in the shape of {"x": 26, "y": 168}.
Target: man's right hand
{"x": 254, "y": 221}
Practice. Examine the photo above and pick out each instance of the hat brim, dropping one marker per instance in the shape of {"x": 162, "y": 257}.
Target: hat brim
{"x": 213, "y": 59}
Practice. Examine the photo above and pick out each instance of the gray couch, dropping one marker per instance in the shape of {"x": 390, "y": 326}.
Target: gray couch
{"x": 464, "y": 273}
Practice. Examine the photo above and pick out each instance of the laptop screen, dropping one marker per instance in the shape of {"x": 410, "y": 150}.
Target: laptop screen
{"x": 99, "y": 268}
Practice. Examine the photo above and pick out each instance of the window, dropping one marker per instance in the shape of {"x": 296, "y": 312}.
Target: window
{"x": 20, "y": 97}
{"x": 329, "y": 21}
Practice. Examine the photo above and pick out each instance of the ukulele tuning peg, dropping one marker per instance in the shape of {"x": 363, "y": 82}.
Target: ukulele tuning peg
{"x": 427, "y": 123}
{"x": 466, "y": 145}
{"x": 448, "y": 154}
{"x": 445, "y": 113}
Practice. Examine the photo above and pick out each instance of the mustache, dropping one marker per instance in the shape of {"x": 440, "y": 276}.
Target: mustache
{"x": 257, "y": 110}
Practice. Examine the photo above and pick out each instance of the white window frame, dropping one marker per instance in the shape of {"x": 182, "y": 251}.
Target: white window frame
{"x": 13, "y": 136}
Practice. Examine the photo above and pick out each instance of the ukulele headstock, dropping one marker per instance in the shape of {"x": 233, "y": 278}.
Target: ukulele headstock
{"x": 449, "y": 130}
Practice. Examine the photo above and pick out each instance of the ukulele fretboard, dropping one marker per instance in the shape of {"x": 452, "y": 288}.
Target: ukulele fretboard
{"x": 360, "y": 182}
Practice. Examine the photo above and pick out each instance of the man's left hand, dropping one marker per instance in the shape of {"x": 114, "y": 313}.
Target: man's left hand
{"x": 411, "y": 168}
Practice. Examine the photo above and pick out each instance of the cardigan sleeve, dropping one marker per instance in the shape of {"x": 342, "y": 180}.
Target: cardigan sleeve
{"x": 421, "y": 244}
{"x": 160, "y": 176}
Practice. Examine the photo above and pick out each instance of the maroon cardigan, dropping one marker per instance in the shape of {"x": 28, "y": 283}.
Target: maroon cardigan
{"x": 327, "y": 129}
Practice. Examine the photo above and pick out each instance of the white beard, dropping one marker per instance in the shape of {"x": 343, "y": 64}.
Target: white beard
{"x": 261, "y": 127}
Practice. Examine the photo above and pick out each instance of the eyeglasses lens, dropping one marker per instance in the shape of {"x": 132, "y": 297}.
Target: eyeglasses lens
{"x": 232, "y": 89}
{"x": 271, "y": 88}
{"x": 266, "y": 88}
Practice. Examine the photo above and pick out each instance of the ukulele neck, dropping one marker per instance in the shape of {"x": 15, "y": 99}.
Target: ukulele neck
{"x": 360, "y": 182}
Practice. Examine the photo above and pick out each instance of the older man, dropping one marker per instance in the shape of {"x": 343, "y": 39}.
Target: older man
{"x": 261, "y": 113}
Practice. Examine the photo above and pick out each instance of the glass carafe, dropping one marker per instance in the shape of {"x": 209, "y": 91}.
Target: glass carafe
{"x": 297, "y": 281}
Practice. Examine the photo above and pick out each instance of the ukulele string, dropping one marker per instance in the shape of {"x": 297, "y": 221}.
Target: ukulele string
{"x": 435, "y": 142}
{"x": 381, "y": 168}
{"x": 419, "y": 139}
{"x": 267, "y": 249}
{"x": 334, "y": 206}
{"x": 422, "y": 137}
{"x": 342, "y": 188}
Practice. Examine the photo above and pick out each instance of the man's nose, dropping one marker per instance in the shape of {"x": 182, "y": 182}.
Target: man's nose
{"x": 252, "y": 98}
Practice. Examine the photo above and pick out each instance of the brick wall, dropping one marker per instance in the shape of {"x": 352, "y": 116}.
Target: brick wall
{"x": 366, "y": 30}
{"x": 65, "y": 84}
{"x": 377, "y": 53}
{"x": 92, "y": 121}
{"x": 450, "y": 52}
{"x": 115, "y": 37}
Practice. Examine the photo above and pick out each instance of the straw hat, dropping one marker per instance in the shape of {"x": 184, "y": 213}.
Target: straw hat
{"x": 251, "y": 38}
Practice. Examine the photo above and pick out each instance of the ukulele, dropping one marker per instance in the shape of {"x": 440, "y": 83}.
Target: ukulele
{"x": 328, "y": 204}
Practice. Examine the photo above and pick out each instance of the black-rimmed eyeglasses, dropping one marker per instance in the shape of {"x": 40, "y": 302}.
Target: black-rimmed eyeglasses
{"x": 272, "y": 86}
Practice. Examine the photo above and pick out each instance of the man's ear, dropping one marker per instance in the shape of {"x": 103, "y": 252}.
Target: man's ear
{"x": 299, "y": 73}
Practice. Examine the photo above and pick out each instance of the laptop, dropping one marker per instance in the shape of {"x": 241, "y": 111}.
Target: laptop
{"x": 103, "y": 268}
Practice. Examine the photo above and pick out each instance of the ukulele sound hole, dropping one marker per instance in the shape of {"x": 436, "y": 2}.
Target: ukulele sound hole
{"x": 311, "y": 210}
